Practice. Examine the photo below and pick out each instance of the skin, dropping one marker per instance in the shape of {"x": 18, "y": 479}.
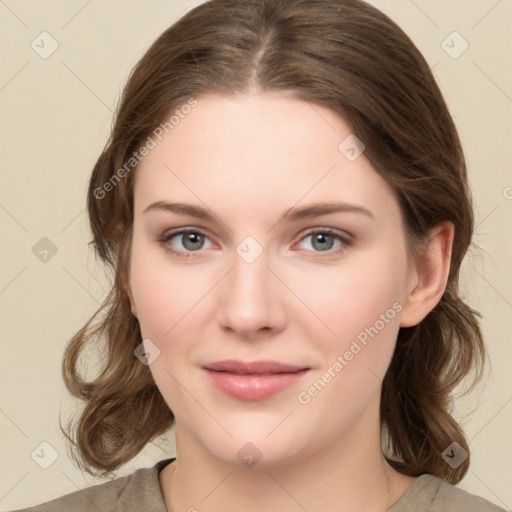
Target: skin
{"x": 248, "y": 159}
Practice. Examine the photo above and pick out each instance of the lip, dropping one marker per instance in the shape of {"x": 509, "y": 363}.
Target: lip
{"x": 252, "y": 367}
{"x": 254, "y": 380}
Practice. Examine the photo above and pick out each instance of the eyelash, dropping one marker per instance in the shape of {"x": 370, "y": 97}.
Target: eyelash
{"x": 346, "y": 242}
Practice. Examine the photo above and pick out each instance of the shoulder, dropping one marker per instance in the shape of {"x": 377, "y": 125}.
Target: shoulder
{"x": 431, "y": 494}
{"x": 458, "y": 499}
{"x": 139, "y": 490}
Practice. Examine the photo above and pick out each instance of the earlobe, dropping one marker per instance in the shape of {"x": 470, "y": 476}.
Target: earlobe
{"x": 430, "y": 276}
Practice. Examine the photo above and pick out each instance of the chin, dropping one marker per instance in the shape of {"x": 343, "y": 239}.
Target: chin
{"x": 251, "y": 455}
{"x": 259, "y": 451}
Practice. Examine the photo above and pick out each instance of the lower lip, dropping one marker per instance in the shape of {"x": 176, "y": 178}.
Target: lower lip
{"x": 253, "y": 387}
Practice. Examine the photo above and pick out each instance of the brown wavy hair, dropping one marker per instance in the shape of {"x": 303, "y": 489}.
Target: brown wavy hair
{"x": 350, "y": 57}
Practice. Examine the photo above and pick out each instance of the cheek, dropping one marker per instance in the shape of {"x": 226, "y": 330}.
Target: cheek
{"x": 165, "y": 293}
{"x": 361, "y": 307}
{"x": 353, "y": 297}
{"x": 365, "y": 321}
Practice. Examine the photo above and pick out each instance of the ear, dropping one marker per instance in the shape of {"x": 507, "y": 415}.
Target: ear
{"x": 429, "y": 276}
{"x": 128, "y": 289}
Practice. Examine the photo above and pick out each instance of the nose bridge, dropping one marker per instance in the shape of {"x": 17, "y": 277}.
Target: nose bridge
{"x": 249, "y": 302}
{"x": 250, "y": 277}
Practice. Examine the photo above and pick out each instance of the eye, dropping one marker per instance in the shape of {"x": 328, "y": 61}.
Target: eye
{"x": 192, "y": 240}
{"x": 323, "y": 241}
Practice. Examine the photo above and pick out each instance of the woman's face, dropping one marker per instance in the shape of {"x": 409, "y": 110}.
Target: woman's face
{"x": 254, "y": 282}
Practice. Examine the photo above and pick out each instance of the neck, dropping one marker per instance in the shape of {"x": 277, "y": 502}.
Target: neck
{"x": 350, "y": 474}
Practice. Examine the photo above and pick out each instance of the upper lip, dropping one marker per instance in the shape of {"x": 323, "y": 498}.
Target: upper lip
{"x": 252, "y": 367}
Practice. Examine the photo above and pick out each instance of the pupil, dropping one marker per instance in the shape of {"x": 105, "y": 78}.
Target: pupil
{"x": 193, "y": 238}
{"x": 321, "y": 238}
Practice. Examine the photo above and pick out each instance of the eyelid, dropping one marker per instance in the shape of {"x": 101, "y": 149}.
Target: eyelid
{"x": 345, "y": 238}
{"x": 169, "y": 235}
{"x": 342, "y": 235}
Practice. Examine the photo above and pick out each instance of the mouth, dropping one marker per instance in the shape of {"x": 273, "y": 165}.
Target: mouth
{"x": 255, "y": 380}
{"x": 253, "y": 368}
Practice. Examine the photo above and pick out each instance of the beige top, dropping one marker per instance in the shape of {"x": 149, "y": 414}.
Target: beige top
{"x": 140, "y": 492}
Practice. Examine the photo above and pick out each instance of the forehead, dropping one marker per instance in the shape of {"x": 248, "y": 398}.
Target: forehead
{"x": 256, "y": 152}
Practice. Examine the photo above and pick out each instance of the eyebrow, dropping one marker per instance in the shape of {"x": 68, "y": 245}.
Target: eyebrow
{"x": 291, "y": 215}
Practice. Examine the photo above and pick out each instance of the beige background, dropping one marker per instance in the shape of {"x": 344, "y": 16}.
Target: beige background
{"x": 56, "y": 116}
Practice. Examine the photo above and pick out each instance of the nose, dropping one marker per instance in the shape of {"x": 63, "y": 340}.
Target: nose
{"x": 250, "y": 298}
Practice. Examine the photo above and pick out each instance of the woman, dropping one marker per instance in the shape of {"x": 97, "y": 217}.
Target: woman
{"x": 284, "y": 203}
